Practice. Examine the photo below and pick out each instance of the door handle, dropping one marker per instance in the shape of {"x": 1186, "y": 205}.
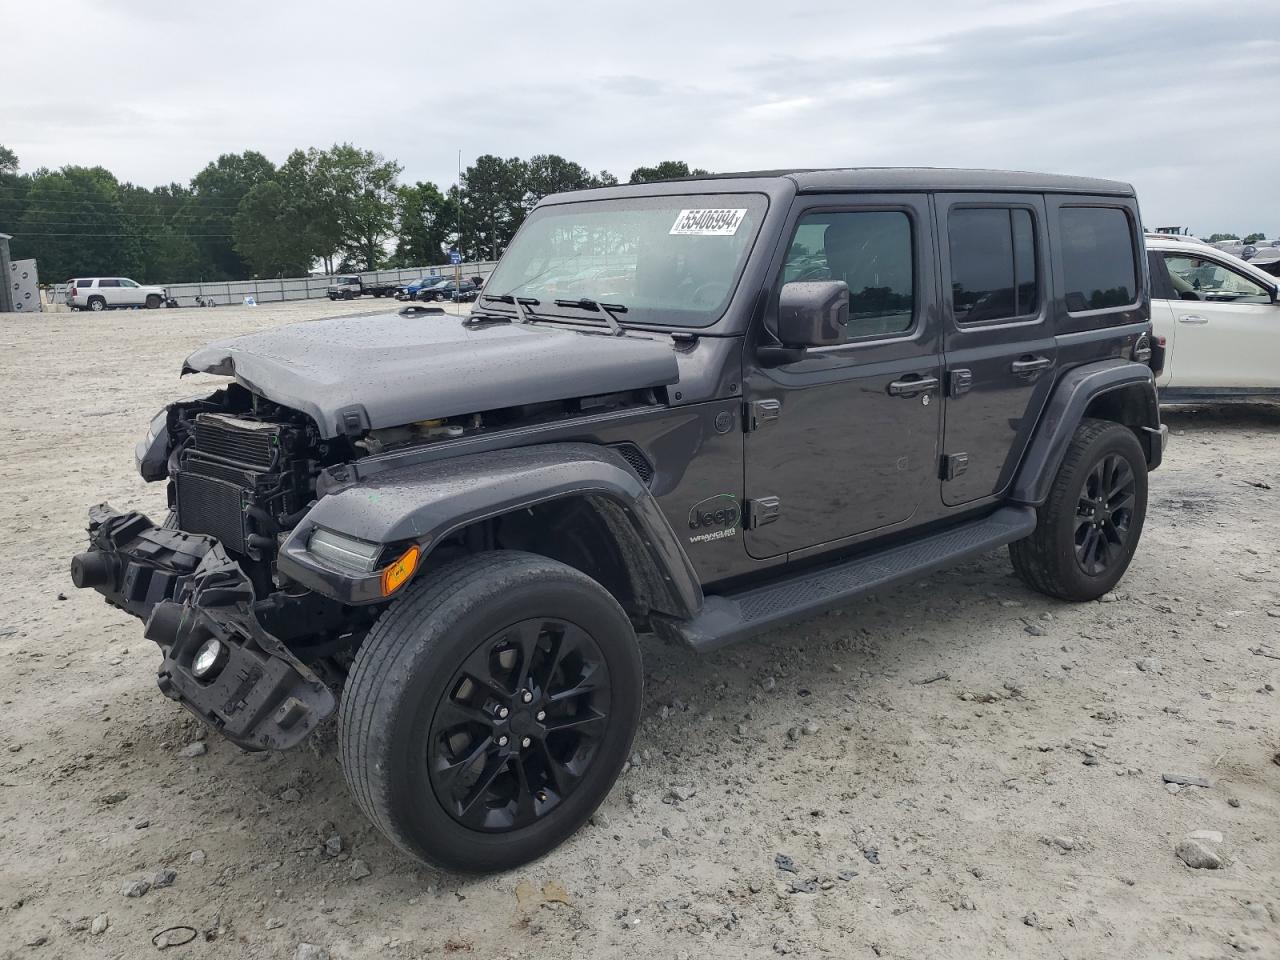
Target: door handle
{"x": 1193, "y": 318}
{"x": 1030, "y": 366}
{"x": 910, "y": 388}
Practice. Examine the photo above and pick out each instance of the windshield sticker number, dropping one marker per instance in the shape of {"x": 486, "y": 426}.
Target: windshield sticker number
{"x": 707, "y": 223}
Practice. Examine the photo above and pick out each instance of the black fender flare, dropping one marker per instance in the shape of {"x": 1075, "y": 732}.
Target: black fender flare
{"x": 426, "y": 503}
{"x": 1075, "y": 391}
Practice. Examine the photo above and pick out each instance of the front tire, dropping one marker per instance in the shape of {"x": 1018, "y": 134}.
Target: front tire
{"x": 490, "y": 710}
{"x": 1089, "y": 527}
{"x": 153, "y": 301}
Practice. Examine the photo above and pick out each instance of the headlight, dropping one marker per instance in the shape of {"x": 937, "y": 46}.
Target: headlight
{"x": 152, "y": 454}
{"x": 343, "y": 551}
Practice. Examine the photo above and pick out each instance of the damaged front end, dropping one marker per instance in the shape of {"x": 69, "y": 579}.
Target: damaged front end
{"x": 202, "y": 609}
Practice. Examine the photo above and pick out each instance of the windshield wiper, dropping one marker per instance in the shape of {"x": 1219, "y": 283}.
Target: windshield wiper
{"x": 608, "y": 309}
{"x": 520, "y": 303}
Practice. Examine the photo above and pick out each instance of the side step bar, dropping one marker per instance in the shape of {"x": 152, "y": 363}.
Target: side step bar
{"x": 727, "y": 618}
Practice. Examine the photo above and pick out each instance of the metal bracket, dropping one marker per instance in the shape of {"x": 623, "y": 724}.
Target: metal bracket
{"x": 959, "y": 382}
{"x": 762, "y": 510}
{"x": 757, "y": 413}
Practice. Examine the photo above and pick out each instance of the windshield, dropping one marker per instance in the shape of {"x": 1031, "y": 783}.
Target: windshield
{"x": 671, "y": 261}
{"x": 348, "y": 279}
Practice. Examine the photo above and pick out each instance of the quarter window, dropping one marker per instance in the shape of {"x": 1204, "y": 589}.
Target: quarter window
{"x": 1098, "y": 267}
{"x": 872, "y": 252}
{"x": 1195, "y": 278}
{"x": 993, "y": 264}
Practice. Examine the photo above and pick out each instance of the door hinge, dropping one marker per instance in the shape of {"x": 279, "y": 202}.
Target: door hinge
{"x": 954, "y": 464}
{"x": 757, "y": 413}
{"x": 762, "y": 510}
{"x": 959, "y": 382}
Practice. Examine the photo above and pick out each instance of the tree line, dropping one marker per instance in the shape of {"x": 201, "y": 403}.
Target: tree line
{"x": 242, "y": 217}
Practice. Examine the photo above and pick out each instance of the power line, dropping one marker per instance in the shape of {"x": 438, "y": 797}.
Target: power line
{"x": 135, "y": 236}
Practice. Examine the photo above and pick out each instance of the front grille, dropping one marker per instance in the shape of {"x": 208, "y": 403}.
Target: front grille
{"x": 244, "y": 441}
{"x": 637, "y": 460}
{"x": 212, "y": 506}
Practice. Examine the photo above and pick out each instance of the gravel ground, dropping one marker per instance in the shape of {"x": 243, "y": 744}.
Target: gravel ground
{"x": 957, "y": 768}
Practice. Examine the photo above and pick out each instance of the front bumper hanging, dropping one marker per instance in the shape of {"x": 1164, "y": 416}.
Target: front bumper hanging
{"x": 189, "y": 592}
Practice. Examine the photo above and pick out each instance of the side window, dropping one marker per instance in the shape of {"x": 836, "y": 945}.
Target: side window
{"x": 109, "y": 282}
{"x": 127, "y": 283}
{"x": 1098, "y": 267}
{"x": 993, "y": 264}
{"x": 1195, "y": 278}
{"x": 872, "y": 252}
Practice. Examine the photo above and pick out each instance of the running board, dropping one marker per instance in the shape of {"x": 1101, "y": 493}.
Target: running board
{"x": 727, "y": 618}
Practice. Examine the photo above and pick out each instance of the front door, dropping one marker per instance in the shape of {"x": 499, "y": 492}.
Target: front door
{"x": 1000, "y": 349}
{"x": 1226, "y": 326}
{"x": 844, "y": 440}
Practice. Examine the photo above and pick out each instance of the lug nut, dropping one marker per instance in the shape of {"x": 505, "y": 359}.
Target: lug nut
{"x": 525, "y": 742}
{"x": 542, "y": 796}
{"x": 542, "y": 715}
{"x": 526, "y": 697}
{"x": 502, "y": 740}
{"x": 502, "y": 713}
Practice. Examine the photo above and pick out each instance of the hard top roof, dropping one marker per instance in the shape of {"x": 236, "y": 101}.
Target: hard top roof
{"x": 870, "y": 179}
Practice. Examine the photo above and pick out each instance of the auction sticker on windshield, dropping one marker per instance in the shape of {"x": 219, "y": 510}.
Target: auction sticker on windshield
{"x": 707, "y": 223}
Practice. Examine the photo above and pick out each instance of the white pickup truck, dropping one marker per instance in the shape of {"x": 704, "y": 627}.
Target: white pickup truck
{"x": 1219, "y": 318}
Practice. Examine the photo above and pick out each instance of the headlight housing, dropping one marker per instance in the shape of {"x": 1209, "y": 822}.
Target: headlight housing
{"x": 340, "y": 550}
{"x": 152, "y": 454}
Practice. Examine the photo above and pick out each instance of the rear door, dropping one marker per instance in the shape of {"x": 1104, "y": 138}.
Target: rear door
{"x": 109, "y": 288}
{"x": 999, "y": 339}
{"x": 1228, "y": 325}
{"x": 843, "y": 441}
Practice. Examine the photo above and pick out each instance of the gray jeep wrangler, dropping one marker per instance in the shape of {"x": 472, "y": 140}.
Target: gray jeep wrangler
{"x": 699, "y": 409}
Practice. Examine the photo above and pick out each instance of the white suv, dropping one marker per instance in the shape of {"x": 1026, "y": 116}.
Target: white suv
{"x": 105, "y": 293}
{"x": 1219, "y": 318}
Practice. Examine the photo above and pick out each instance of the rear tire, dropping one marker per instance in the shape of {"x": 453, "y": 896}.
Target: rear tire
{"x": 97, "y": 304}
{"x": 1089, "y": 527}
{"x": 455, "y": 675}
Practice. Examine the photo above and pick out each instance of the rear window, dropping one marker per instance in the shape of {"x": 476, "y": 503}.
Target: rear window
{"x": 993, "y": 264}
{"x": 1098, "y": 267}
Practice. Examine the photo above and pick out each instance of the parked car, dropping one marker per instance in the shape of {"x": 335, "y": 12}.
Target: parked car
{"x": 410, "y": 291}
{"x": 450, "y": 533}
{"x": 1219, "y": 319}
{"x": 348, "y": 288}
{"x": 108, "y": 293}
{"x": 449, "y": 290}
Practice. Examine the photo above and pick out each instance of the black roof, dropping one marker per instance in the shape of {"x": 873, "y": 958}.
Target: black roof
{"x": 862, "y": 179}
{"x": 929, "y": 178}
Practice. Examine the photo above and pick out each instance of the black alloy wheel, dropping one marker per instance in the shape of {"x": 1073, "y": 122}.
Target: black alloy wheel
{"x": 520, "y": 725}
{"x": 1104, "y": 513}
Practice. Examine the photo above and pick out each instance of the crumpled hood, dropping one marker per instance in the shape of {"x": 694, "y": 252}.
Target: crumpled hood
{"x": 385, "y": 370}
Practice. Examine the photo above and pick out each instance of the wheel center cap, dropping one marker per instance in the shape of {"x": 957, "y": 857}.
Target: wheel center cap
{"x": 522, "y": 723}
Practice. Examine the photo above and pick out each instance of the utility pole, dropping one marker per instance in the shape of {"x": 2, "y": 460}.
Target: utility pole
{"x": 6, "y": 275}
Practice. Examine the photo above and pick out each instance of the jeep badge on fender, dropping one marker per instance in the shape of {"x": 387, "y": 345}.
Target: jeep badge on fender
{"x": 714, "y": 518}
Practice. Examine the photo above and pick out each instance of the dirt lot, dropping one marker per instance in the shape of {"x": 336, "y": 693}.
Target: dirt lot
{"x": 959, "y": 768}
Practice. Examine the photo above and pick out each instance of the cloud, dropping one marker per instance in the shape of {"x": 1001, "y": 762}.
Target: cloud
{"x": 1164, "y": 95}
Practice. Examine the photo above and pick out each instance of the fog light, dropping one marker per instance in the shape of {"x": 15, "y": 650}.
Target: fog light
{"x": 209, "y": 660}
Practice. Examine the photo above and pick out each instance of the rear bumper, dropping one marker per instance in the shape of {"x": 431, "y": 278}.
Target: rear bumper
{"x": 188, "y": 591}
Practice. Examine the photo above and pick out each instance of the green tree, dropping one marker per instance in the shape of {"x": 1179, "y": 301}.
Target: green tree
{"x": 1218, "y": 237}
{"x": 216, "y": 192}
{"x": 167, "y": 238}
{"x": 271, "y": 231}
{"x": 666, "y": 170}
{"x": 1255, "y": 237}
{"x": 428, "y": 220}
{"x": 8, "y": 160}
{"x": 361, "y": 188}
{"x": 74, "y": 223}
{"x": 492, "y": 196}
{"x": 548, "y": 173}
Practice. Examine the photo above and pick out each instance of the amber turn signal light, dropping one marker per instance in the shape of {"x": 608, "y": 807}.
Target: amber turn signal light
{"x": 397, "y": 574}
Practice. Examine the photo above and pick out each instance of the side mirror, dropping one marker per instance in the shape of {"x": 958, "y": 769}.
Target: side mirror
{"x": 813, "y": 313}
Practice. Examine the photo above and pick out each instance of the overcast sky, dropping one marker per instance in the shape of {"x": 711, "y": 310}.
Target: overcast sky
{"x": 1177, "y": 98}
